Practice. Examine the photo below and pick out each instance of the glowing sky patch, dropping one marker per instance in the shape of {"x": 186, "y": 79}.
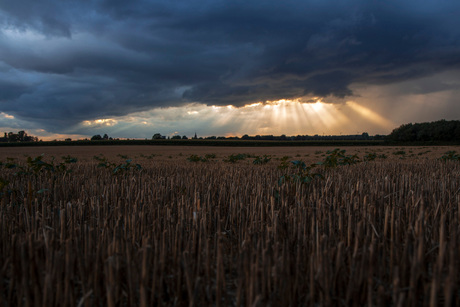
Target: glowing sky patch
{"x": 105, "y": 122}
{"x": 4, "y": 115}
{"x": 290, "y": 116}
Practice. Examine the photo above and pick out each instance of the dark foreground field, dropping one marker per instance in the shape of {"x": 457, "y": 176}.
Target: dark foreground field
{"x": 146, "y": 226}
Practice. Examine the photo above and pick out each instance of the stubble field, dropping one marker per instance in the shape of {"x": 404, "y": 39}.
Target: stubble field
{"x": 156, "y": 225}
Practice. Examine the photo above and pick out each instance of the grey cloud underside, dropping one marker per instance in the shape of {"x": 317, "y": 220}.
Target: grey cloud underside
{"x": 93, "y": 59}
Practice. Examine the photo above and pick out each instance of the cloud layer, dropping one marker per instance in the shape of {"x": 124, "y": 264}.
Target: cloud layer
{"x": 62, "y": 63}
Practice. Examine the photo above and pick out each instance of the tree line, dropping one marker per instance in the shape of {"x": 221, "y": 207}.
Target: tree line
{"x": 355, "y": 137}
{"x": 21, "y": 136}
{"x": 438, "y": 131}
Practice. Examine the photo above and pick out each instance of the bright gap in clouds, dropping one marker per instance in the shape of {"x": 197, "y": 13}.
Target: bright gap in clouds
{"x": 289, "y": 117}
{"x": 293, "y": 117}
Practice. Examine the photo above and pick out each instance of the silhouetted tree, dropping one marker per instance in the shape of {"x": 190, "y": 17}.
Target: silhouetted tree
{"x": 22, "y": 135}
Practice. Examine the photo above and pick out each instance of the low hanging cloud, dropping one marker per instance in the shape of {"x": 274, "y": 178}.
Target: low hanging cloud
{"x": 64, "y": 63}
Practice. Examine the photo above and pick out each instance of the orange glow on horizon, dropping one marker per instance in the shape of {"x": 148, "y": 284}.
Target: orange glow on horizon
{"x": 284, "y": 116}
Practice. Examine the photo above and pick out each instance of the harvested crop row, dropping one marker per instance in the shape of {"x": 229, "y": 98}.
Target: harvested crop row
{"x": 181, "y": 233}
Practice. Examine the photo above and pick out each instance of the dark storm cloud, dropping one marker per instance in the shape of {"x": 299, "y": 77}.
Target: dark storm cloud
{"x": 63, "y": 62}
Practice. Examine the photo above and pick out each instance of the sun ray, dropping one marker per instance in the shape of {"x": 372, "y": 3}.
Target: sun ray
{"x": 288, "y": 117}
{"x": 315, "y": 110}
{"x": 295, "y": 117}
{"x": 370, "y": 115}
{"x": 306, "y": 117}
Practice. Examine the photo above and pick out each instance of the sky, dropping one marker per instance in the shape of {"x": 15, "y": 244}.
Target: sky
{"x": 135, "y": 68}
